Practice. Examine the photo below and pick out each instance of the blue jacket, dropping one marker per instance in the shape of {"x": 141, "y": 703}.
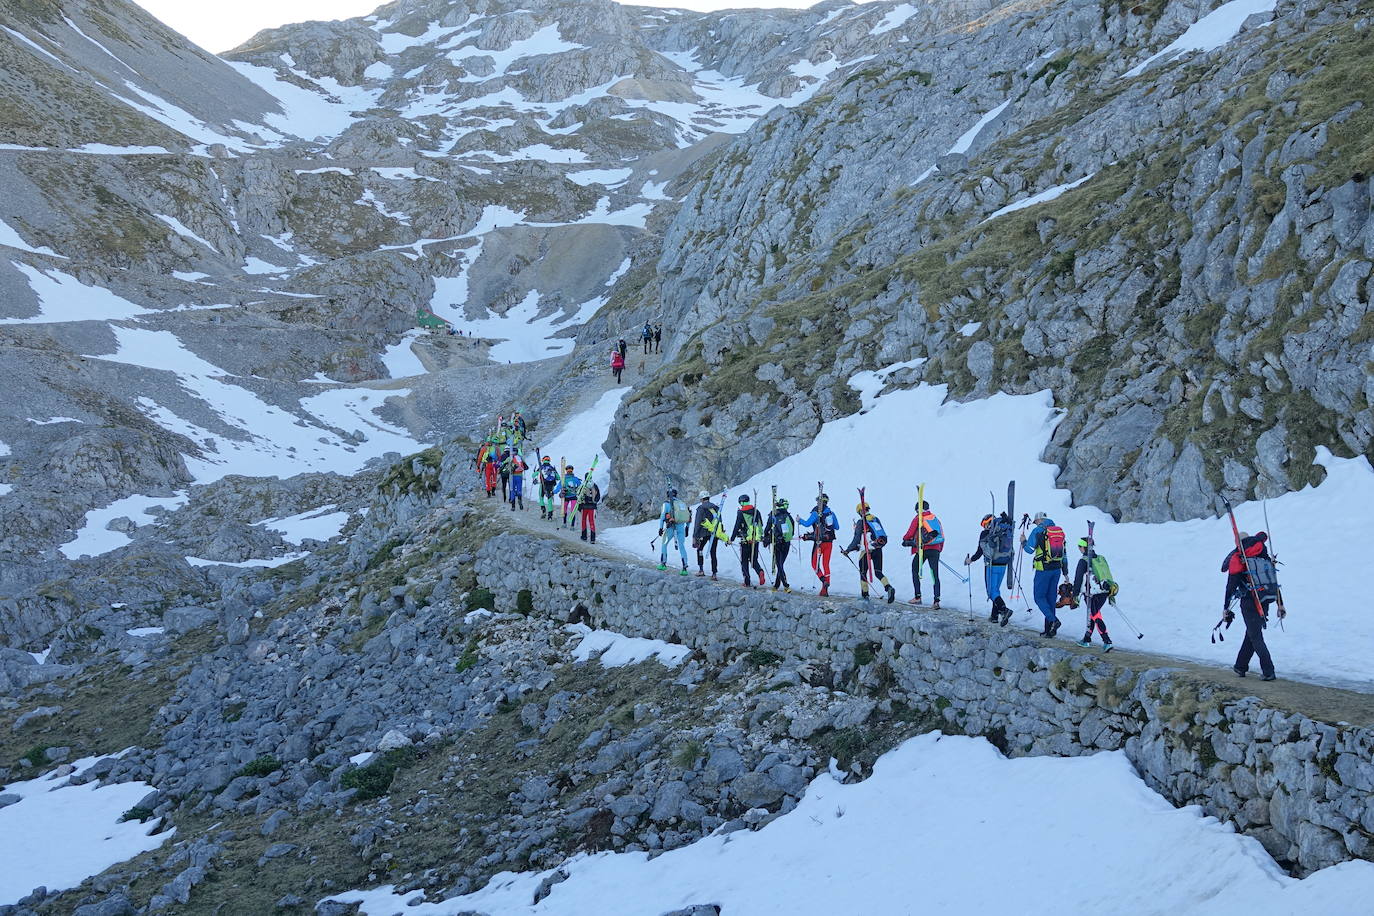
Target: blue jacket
{"x": 828, "y": 516}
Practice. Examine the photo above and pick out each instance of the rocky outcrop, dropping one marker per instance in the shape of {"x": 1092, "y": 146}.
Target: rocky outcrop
{"x": 1193, "y": 295}
{"x": 1302, "y": 787}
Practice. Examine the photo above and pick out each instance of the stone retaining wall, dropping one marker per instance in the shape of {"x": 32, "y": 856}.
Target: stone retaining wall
{"x": 1302, "y": 788}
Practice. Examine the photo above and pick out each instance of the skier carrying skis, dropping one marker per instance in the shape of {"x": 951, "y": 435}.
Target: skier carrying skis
{"x": 647, "y": 335}
{"x": 1251, "y": 579}
{"x": 617, "y": 364}
{"x": 517, "y": 481}
{"x": 932, "y": 543}
{"x": 707, "y": 528}
{"x": 1090, "y": 572}
{"x": 823, "y": 524}
{"x": 1046, "y": 547}
{"x": 995, "y": 549}
{"x": 548, "y": 486}
{"x": 673, "y": 518}
{"x": 748, "y": 531}
{"x": 569, "y": 486}
{"x": 588, "y": 497}
{"x": 778, "y": 534}
{"x": 505, "y": 474}
{"x": 489, "y": 469}
{"x": 870, "y": 562}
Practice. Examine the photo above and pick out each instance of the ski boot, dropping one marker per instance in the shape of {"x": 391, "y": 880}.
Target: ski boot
{"x": 662, "y": 567}
{"x": 825, "y": 587}
{"x": 916, "y": 601}
{"x": 593, "y": 537}
{"x": 1006, "y": 616}
{"x": 1107, "y": 647}
{"x": 763, "y": 580}
{"x": 684, "y": 572}
{"x": 1054, "y": 627}
{"x": 702, "y": 572}
{"x": 992, "y": 618}
{"x": 1086, "y": 643}
{"x": 584, "y": 535}
{"x": 935, "y": 605}
{"x": 891, "y": 594}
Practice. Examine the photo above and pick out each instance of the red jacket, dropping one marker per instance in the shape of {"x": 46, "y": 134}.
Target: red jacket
{"x": 617, "y": 360}
{"x": 926, "y": 535}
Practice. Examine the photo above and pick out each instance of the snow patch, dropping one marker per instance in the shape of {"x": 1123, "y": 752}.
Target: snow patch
{"x": 62, "y": 298}
{"x": 582, "y": 438}
{"x": 319, "y": 524}
{"x": 57, "y": 834}
{"x": 94, "y": 538}
{"x": 895, "y": 17}
{"x": 1046, "y": 195}
{"x": 1209, "y": 33}
{"x": 146, "y": 631}
{"x": 616, "y": 650}
{"x": 400, "y": 359}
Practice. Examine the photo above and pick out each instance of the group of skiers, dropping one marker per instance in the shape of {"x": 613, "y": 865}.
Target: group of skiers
{"x": 652, "y": 336}
{"x": 1042, "y": 541}
{"x": 1251, "y": 574}
{"x": 500, "y": 462}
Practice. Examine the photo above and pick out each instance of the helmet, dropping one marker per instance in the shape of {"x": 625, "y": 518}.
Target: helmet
{"x": 987, "y": 520}
{"x": 782, "y": 504}
{"x": 1084, "y": 543}
{"x": 823, "y": 499}
{"x": 744, "y": 499}
{"x": 703, "y": 495}
{"x": 861, "y": 508}
{"x": 545, "y": 460}
{"x": 568, "y": 468}
{"x": 672, "y": 492}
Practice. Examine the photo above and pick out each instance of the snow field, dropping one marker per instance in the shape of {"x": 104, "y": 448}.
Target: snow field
{"x": 945, "y": 824}
{"x": 583, "y": 437}
{"x": 1169, "y": 573}
{"x": 57, "y": 834}
{"x": 1209, "y": 33}
{"x": 62, "y": 297}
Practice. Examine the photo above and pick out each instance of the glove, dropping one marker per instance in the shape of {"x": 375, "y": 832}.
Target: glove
{"x": 967, "y": 560}
{"x": 1229, "y": 616}
{"x": 1282, "y": 613}
{"x": 908, "y": 542}
{"x": 808, "y": 536}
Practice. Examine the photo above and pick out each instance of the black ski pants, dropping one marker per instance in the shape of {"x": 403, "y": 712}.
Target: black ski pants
{"x": 1253, "y": 643}
{"x": 749, "y": 557}
{"x": 701, "y": 549}
{"x": 932, "y": 558}
{"x": 1095, "y": 621}
{"x": 874, "y": 560}
{"x": 780, "y": 550}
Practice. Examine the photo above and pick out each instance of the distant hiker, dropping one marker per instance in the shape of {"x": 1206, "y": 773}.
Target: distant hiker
{"x": 995, "y": 548}
{"x": 1046, "y": 546}
{"x": 617, "y": 364}
{"x": 517, "y": 425}
{"x": 548, "y": 486}
{"x": 486, "y": 463}
{"x": 1255, "y": 569}
{"x": 778, "y": 534}
{"x": 1090, "y": 573}
{"x": 658, "y": 338}
{"x": 932, "y": 542}
{"x": 588, "y": 497}
{"x": 647, "y": 335}
{"x": 517, "y": 481}
{"x": 823, "y": 524}
{"x": 621, "y": 346}
{"x": 673, "y": 518}
{"x": 707, "y": 528}
{"x": 871, "y": 562}
{"x": 569, "y": 486}
{"x": 748, "y": 531}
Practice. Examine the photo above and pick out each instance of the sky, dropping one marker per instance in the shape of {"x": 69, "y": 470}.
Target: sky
{"x": 217, "y": 27}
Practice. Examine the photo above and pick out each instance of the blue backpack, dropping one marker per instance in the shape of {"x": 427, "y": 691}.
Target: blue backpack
{"x": 875, "y": 528}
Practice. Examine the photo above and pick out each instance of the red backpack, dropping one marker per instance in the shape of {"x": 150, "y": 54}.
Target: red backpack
{"x": 1053, "y": 549}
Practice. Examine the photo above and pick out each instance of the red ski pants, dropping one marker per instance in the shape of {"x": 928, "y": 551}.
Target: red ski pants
{"x": 820, "y": 558}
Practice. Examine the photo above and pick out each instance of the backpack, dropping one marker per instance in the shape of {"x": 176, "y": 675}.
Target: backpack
{"x": 549, "y": 474}
{"x": 1264, "y": 577}
{"x": 680, "y": 513}
{"x": 875, "y": 528}
{"x": 1000, "y": 542}
{"x": 1102, "y": 573}
{"x": 1052, "y": 546}
{"x": 825, "y": 532}
{"x": 753, "y": 528}
{"x": 934, "y": 532}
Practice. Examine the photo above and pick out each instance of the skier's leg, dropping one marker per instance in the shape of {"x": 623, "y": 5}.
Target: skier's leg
{"x": 699, "y": 546}
{"x": 744, "y": 560}
{"x": 1097, "y": 603}
{"x": 995, "y": 575}
{"x": 782, "y": 560}
{"x": 1254, "y": 635}
{"x": 933, "y": 558}
{"x": 715, "y": 543}
{"x": 682, "y": 543}
{"x": 863, "y": 574}
{"x": 916, "y": 575}
{"x": 1043, "y": 591}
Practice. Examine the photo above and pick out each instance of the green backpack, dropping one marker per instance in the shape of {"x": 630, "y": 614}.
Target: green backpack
{"x": 1097, "y": 565}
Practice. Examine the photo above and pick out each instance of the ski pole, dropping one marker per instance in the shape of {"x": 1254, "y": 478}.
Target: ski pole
{"x": 968, "y": 580}
{"x": 1131, "y": 626}
{"x": 962, "y": 578}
